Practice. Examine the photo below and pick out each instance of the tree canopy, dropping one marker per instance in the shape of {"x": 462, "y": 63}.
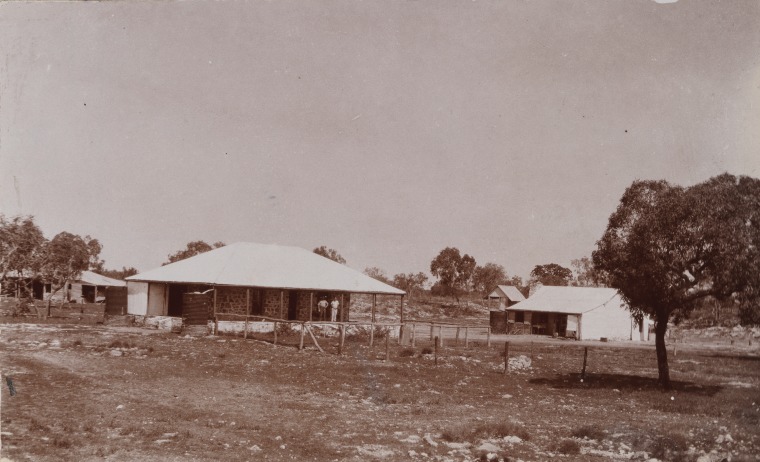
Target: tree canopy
{"x": 21, "y": 244}
{"x": 488, "y": 276}
{"x": 453, "y": 270}
{"x": 665, "y": 247}
{"x": 66, "y": 256}
{"x": 410, "y": 282}
{"x": 550, "y": 274}
{"x": 192, "y": 249}
{"x": 376, "y": 273}
{"x": 332, "y": 254}
{"x": 586, "y": 275}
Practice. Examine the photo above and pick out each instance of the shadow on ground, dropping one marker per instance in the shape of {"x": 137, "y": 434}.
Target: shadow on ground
{"x": 622, "y": 382}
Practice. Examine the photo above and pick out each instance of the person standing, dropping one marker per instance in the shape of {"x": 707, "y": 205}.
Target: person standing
{"x": 334, "y": 309}
{"x": 322, "y": 306}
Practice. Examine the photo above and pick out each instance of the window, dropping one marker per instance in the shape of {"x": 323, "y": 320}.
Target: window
{"x": 519, "y": 316}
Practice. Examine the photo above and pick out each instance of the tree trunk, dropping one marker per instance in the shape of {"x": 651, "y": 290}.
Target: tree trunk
{"x": 660, "y": 328}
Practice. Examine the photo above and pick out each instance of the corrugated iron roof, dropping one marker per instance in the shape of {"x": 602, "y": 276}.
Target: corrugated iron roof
{"x": 265, "y": 265}
{"x": 510, "y": 291}
{"x": 570, "y": 300}
{"x": 95, "y": 279}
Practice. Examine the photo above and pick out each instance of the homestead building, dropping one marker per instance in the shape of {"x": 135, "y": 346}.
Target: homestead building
{"x": 272, "y": 281}
{"x": 505, "y": 296}
{"x": 583, "y": 313}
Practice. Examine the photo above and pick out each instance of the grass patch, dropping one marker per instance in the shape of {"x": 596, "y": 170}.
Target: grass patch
{"x": 568, "y": 447}
{"x": 591, "y": 432}
{"x": 463, "y": 432}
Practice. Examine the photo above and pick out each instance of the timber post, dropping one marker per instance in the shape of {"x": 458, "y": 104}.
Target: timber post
{"x": 506, "y": 358}
{"x": 275, "y": 332}
{"x": 435, "y": 351}
{"x": 247, "y": 310}
{"x": 300, "y": 345}
{"x": 585, "y": 356}
{"x": 387, "y": 354}
{"x": 371, "y": 335}
{"x": 414, "y": 329}
{"x": 488, "y": 337}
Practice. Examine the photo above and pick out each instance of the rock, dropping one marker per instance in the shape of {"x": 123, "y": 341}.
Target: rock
{"x": 119, "y": 407}
{"x": 55, "y": 343}
{"x": 254, "y": 448}
{"x": 412, "y": 453}
{"x": 512, "y": 439}
{"x": 506, "y": 396}
{"x": 116, "y": 353}
{"x": 488, "y": 447}
{"x": 430, "y": 441}
{"x": 411, "y": 439}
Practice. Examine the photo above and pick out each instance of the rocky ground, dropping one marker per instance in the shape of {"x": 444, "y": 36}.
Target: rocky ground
{"x": 116, "y": 393}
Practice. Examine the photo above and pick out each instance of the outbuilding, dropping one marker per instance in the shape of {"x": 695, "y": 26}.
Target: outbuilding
{"x": 506, "y": 296}
{"x": 250, "y": 279}
{"x": 584, "y": 313}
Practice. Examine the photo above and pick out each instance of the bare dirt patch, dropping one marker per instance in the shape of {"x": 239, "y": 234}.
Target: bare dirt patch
{"x": 167, "y": 397}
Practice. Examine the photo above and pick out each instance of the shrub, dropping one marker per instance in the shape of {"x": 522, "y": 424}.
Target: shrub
{"x": 591, "y": 432}
{"x": 568, "y": 447}
{"x": 406, "y": 352}
{"x": 427, "y": 351}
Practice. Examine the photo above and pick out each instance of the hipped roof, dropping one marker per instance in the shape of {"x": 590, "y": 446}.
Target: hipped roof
{"x": 510, "y": 292}
{"x": 570, "y": 300}
{"x": 268, "y": 266}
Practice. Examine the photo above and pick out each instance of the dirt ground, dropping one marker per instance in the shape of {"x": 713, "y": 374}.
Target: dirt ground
{"x": 88, "y": 392}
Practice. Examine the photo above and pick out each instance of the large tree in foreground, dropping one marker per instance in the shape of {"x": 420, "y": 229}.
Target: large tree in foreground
{"x": 666, "y": 247}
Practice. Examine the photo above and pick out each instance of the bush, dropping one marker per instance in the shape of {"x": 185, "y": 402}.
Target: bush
{"x": 406, "y": 353}
{"x": 591, "y": 432}
{"x": 568, "y": 447}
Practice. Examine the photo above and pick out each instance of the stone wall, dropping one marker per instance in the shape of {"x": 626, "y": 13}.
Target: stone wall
{"x": 231, "y": 300}
{"x": 271, "y": 301}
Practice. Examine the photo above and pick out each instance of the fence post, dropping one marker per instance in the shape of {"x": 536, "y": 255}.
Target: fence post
{"x": 583, "y": 371}
{"x": 342, "y": 338}
{"x": 432, "y": 326}
{"x": 488, "y": 337}
{"x": 216, "y": 325}
{"x": 414, "y": 328}
{"x": 506, "y": 358}
{"x": 275, "y": 332}
{"x": 371, "y": 335}
{"x": 303, "y": 327}
{"x": 456, "y": 342}
{"x": 435, "y": 351}
{"x": 387, "y": 354}
{"x": 440, "y": 336}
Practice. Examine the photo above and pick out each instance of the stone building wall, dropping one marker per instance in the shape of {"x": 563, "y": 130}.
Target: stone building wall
{"x": 271, "y": 301}
{"x": 231, "y": 300}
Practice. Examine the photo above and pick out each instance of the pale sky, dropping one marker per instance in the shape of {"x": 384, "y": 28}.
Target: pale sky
{"x": 387, "y": 130}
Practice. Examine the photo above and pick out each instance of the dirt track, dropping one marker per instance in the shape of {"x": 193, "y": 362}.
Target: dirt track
{"x": 95, "y": 393}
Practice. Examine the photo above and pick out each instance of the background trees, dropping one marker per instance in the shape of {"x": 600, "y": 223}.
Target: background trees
{"x": 65, "y": 257}
{"x": 454, "y": 271}
{"x": 488, "y": 276}
{"x": 550, "y": 274}
{"x": 376, "y": 273}
{"x": 410, "y": 283}
{"x": 332, "y": 254}
{"x": 665, "y": 247}
{"x": 192, "y": 249}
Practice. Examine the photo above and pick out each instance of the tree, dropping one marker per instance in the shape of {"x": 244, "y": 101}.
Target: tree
{"x": 586, "y": 275}
{"x": 453, "y": 270}
{"x": 665, "y": 247}
{"x": 488, "y": 276}
{"x": 123, "y": 273}
{"x": 65, "y": 257}
{"x": 332, "y": 254}
{"x": 376, "y": 273}
{"x": 21, "y": 244}
{"x": 410, "y": 282}
{"x": 193, "y": 248}
{"x": 551, "y": 274}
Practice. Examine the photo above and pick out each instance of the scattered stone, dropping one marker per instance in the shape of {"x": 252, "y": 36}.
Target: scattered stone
{"x": 512, "y": 439}
{"x": 488, "y": 447}
{"x": 506, "y": 396}
{"x": 412, "y": 453}
{"x": 411, "y": 439}
{"x": 55, "y": 343}
{"x": 430, "y": 441}
{"x": 255, "y": 448}
{"x": 119, "y": 407}
{"x": 116, "y": 353}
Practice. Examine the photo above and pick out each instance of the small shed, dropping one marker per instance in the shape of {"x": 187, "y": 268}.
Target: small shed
{"x": 251, "y": 279}
{"x": 506, "y": 296}
{"x": 584, "y": 313}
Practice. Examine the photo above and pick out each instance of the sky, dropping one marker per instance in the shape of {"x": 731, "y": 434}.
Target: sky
{"x": 387, "y": 130}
